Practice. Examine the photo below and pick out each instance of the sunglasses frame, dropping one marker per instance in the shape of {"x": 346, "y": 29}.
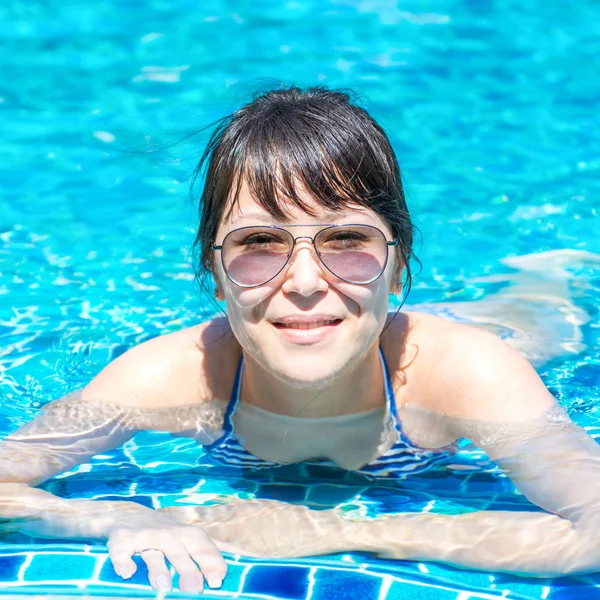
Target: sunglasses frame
{"x": 388, "y": 243}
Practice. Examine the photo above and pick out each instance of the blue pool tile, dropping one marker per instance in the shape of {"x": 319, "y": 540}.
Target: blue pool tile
{"x": 143, "y": 500}
{"x": 242, "y": 485}
{"x": 345, "y": 585}
{"x": 108, "y": 574}
{"x": 43, "y": 589}
{"x": 381, "y": 491}
{"x": 407, "y": 591}
{"x": 60, "y": 567}
{"x": 140, "y": 577}
{"x": 327, "y": 473}
{"x": 283, "y": 492}
{"x": 231, "y": 583}
{"x": 323, "y": 493}
{"x": 574, "y": 591}
{"x": 9, "y": 566}
{"x": 282, "y": 582}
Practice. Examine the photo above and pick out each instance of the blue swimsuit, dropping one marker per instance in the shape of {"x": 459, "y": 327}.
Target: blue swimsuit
{"x": 402, "y": 459}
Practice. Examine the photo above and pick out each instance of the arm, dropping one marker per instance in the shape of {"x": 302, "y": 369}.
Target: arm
{"x": 497, "y": 400}
{"x": 556, "y": 465}
{"x": 69, "y": 432}
{"x": 494, "y": 398}
{"x": 81, "y": 425}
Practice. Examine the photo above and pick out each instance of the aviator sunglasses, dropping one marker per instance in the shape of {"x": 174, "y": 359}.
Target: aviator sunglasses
{"x": 253, "y": 256}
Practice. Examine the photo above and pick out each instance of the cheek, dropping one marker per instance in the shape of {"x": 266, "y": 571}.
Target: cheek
{"x": 246, "y": 308}
{"x": 249, "y": 302}
{"x": 370, "y": 299}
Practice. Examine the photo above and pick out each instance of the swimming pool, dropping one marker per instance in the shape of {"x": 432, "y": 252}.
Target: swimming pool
{"x": 493, "y": 111}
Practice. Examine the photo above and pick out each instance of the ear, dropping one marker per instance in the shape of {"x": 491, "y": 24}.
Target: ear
{"x": 218, "y": 290}
{"x": 219, "y": 295}
{"x": 396, "y": 283}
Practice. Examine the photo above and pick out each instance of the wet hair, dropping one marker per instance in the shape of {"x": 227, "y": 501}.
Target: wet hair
{"x": 314, "y": 139}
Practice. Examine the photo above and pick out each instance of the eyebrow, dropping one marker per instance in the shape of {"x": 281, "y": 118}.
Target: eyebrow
{"x": 329, "y": 217}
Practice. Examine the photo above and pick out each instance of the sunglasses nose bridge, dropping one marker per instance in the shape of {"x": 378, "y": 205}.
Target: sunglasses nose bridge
{"x": 304, "y": 237}
{"x": 303, "y": 241}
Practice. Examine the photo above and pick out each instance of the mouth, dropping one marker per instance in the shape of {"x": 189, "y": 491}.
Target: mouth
{"x": 307, "y": 325}
{"x": 305, "y": 331}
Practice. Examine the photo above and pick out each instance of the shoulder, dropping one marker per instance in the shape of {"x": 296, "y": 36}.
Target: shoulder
{"x": 184, "y": 367}
{"x": 463, "y": 371}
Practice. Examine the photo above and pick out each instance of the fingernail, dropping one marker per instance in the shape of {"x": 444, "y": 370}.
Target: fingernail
{"x": 162, "y": 583}
{"x": 214, "y": 582}
{"x": 125, "y": 573}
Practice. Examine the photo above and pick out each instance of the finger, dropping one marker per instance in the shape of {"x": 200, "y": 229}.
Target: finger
{"x": 120, "y": 555}
{"x": 158, "y": 572}
{"x": 190, "y": 577}
{"x": 206, "y": 554}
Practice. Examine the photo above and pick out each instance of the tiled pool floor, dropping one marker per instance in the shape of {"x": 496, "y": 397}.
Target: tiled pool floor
{"x": 77, "y": 569}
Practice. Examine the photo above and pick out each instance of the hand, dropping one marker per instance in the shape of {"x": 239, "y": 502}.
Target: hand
{"x": 268, "y": 528}
{"x": 155, "y": 535}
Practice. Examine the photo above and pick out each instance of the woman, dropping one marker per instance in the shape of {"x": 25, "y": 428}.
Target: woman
{"x": 305, "y": 231}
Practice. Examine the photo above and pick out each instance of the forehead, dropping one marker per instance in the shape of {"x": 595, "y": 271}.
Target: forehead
{"x": 248, "y": 210}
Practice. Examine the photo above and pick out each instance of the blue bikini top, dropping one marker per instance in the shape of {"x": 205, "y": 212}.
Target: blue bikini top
{"x": 401, "y": 459}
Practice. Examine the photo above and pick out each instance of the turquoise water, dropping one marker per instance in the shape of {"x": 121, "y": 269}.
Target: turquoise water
{"x": 492, "y": 106}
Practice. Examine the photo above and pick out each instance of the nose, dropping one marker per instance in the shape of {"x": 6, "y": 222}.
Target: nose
{"x": 305, "y": 273}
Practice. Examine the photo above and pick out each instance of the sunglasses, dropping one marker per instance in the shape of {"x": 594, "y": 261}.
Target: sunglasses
{"x": 253, "y": 256}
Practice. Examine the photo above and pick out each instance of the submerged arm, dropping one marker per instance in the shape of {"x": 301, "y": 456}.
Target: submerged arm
{"x": 493, "y": 397}
{"x": 496, "y": 400}
{"x": 71, "y": 431}
{"x": 556, "y": 465}
{"x": 559, "y": 470}
{"x": 68, "y": 433}
{"x": 144, "y": 381}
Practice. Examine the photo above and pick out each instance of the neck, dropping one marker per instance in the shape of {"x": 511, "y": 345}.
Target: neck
{"x": 357, "y": 390}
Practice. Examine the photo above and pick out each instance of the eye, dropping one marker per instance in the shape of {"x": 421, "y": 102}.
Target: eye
{"x": 263, "y": 241}
{"x": 343, "y": 240}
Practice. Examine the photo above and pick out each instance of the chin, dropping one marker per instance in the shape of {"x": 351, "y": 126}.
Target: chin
{"x": 309, "y": 367}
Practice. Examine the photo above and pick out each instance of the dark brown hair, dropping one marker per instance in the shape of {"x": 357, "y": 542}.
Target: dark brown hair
{"x": 288, "y": 138}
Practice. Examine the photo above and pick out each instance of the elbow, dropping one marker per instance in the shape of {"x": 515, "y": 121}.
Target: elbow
{"x": 581, "y": 554}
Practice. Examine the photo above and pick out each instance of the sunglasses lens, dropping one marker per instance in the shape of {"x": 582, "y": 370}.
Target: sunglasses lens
{"x": 354, "y": 253}
{"x": 254, "y": 255}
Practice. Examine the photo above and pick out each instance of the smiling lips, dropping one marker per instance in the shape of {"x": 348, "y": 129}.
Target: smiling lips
{"x": 307, "y": 324}
{"x": 306, "y": 329}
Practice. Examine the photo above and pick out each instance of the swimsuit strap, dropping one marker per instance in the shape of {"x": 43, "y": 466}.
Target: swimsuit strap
{"x": 389, "y": 388}
{"x": 234, "y": 399}
{"x": 237, "y": 388}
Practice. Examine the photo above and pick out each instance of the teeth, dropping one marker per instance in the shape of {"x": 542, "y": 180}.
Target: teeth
{"x": 313, "y": 325}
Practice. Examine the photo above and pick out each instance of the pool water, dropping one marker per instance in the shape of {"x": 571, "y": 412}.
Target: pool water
{"x": 492, "y": 107}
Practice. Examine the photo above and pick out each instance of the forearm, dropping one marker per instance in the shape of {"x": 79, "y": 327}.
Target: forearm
{"x": 37, "y": 512}
{"x": 538, "y": 544}
{"x": 516, "y": 542}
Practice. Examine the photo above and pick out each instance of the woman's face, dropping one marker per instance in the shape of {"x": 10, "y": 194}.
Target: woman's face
{"x": 305, "y": 326}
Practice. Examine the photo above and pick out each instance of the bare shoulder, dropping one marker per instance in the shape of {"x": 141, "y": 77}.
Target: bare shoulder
{"x": 180, "y": 368}
{"x": 462, "y": 371}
